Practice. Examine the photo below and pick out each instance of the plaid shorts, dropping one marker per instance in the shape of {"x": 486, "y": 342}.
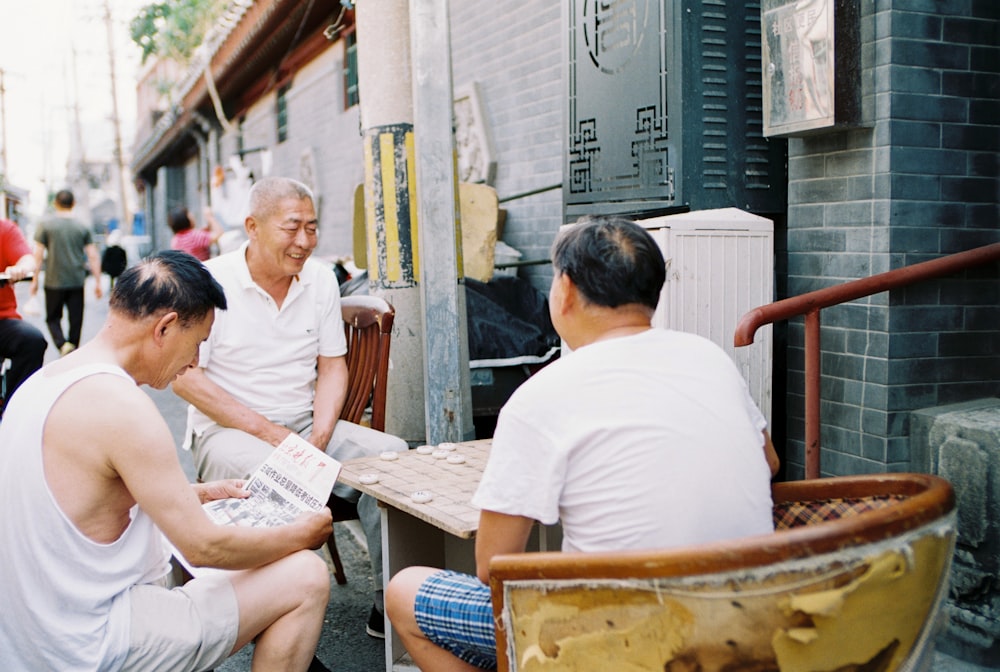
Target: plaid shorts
{"x": 454, "y": 612}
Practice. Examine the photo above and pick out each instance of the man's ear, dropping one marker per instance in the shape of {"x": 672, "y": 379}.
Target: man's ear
{"x": 567, "y": 294}
{"x": 250, "y": 224}
{"x": 163, "y": 324}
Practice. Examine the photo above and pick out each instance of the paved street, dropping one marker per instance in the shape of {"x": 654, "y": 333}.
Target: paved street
{"x": 344, "y": 646}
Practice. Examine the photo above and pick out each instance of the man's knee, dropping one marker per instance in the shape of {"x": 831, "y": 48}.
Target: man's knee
{"x": 307, "y": 572}
{"x": 228, "y": 453}
{"x": 401, "y": 593}
{"x": 37, "y": 344}
{"x": 350, "y": 440}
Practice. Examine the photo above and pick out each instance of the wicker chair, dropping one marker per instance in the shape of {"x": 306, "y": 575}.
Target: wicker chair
{"x": 852, "y": 579}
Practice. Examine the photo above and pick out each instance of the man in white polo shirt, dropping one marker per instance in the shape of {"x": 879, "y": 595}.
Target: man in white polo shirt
{"x": 275, "y": 361}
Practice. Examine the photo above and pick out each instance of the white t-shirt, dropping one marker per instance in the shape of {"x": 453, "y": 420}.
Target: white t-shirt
{"x": 644, "y": 441}
{"x": 265, "y": 356}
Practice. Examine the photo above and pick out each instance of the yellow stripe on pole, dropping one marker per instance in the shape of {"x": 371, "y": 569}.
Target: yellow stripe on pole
{"x": 387, "y": 156}
{"x": 411, "y": 180}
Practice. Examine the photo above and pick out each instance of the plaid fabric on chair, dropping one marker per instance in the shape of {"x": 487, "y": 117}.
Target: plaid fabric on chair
{"x": 811, "y": 512}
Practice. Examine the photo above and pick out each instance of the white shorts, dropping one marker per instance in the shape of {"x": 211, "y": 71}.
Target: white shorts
{"x": 188, "y": 628}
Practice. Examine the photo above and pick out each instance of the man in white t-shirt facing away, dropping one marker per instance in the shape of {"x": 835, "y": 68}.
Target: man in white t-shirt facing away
{"x": 275, "y": 361}
{"x": 639, "y": 438}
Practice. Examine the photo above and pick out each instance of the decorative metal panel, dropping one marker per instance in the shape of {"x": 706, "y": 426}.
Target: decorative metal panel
{"x": 618, "y": 145}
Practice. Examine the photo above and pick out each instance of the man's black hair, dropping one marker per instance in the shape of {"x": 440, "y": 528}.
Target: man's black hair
{"x": 611, "y": 260}
{"x": 179, "y": 219}
{"x": 169, "y": 280}
{"x": 64, "y": 199}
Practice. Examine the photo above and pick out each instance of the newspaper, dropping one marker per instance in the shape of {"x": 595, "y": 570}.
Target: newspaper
{"x": 296, "y": 477}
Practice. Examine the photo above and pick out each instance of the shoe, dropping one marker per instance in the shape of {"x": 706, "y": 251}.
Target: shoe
{"x": 316, "y": 666}
{"x": 376, "y": 624}
{"x": 66, "y": 348}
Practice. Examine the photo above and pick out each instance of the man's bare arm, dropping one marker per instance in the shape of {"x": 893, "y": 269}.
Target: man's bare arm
{"x": 149, "y": 467}
{"x": 331, "y": 392}
{"x": 95, "y": 268}
{"x": 773, "y": 461}
{"x": 130, "y": 456}
{"x": 499, "y": 533}
{"x": 21, "y": 269}
{"x": 39, "y": 258}
{"x": 210, "y": 398}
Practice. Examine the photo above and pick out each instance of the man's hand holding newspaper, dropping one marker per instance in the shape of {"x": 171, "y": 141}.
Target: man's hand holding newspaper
{"x": 295, "y": 478}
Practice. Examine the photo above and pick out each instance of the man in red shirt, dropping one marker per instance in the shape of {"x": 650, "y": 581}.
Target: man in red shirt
{"x": 21, "y": 343}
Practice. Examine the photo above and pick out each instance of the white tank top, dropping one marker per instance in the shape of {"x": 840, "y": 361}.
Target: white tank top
{"x": 65, "y": 600}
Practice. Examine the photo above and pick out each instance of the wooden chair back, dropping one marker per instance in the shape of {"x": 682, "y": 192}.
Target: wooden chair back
{"x": 852, "y": 579}
{"x": 368, "y": 328}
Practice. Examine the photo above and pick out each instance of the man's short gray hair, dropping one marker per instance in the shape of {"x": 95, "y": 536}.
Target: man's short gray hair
{"x": 265, "y": 194}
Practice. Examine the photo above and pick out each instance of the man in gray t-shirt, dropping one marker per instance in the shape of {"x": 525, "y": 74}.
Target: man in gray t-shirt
{"x": 67, "y": 247}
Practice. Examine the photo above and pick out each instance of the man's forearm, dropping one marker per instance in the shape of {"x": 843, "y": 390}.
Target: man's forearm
{"x": 201, "y": 392}
{"x": 499, "y": 533}
{"x": 329, "y": 398}
{"x": 95, "y": 261}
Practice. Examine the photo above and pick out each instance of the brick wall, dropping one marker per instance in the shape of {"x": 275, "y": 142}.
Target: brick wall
{"x": 514, "y": 52}
{"x": 919, "y": 182}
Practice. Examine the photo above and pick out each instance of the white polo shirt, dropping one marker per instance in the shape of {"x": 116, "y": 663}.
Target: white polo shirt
{"x": 265, "y": 356}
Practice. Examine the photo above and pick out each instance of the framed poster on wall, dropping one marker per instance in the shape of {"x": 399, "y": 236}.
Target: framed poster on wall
{"x": 798, "y": 59}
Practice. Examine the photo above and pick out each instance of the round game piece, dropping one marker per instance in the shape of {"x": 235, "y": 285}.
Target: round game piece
{"x": 447, "y": 445}
{"x": 456, "y": 459}
{"x": 440, "y": 454}
{"x": 368, "y": 479}
{"x": 389, "y": 456}
{"x": 425, "y": 450}
{"x": 421, "y": 497}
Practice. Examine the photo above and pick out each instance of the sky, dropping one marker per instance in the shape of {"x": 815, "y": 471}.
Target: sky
{"x": 37, "y": 41}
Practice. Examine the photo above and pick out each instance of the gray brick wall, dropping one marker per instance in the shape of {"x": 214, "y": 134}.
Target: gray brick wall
{"x": 514, "y": 52}
{"x": 920, "y": 182}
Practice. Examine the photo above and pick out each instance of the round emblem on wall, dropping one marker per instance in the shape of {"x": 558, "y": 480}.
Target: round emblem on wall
{"x": 613, "y": 30}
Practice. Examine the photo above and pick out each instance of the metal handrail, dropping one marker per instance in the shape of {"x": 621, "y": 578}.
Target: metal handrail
{"x": 810, "y": 303}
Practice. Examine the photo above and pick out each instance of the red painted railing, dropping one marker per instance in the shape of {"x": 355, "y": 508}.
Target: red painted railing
{"x": 811, "y": 303}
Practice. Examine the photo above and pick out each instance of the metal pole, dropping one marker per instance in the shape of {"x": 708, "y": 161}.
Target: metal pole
{"x": 446, "y": 348}
{"x": 812, "y": 400}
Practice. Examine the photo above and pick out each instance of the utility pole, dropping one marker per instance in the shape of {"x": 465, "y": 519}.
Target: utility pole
{"x": 126, "y": 220}
{"x": 411, "y": 214}
{"x": 78, "y": 172}
{"x": 446, "y": 343}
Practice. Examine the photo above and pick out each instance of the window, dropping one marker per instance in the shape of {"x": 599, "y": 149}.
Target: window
{"x": 282, "y": 113}
{"x": 351, "y": 97}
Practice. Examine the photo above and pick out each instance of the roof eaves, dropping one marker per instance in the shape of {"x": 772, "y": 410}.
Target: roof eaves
{"x": 191, "y": 89}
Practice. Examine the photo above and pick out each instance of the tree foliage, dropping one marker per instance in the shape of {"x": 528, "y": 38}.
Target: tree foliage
{"x": 174, "y": 28}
